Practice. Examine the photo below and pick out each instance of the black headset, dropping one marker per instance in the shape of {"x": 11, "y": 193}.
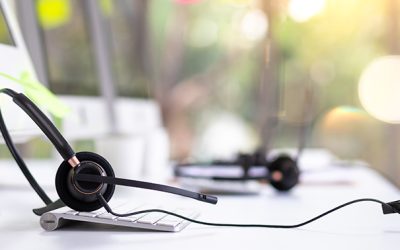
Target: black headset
{"x": 82, "y": 176}
{"x": 85, "y": 181}
{"x": 282, "y": 172}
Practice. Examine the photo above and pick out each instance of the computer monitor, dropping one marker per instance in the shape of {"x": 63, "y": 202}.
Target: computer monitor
{"x": 66, "y": 50}
{"x": 14, "y": 62}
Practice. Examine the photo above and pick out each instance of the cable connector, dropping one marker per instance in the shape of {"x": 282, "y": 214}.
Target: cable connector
{"x": 391, "y": 207}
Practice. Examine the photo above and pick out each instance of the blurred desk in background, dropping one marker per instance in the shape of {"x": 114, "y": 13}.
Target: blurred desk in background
{"x": 361, "y": 226}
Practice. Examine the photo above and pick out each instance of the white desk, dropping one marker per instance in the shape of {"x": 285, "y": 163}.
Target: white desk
{"x": 361, "y": 226}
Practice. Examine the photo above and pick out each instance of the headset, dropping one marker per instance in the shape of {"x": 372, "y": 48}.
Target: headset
{"x": 282, "y": 172}
{"x": 85, "y": 181}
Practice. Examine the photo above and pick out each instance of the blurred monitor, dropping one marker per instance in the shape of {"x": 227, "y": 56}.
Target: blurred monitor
{"x": 68, "y": 58}
{"x": 136, "y": 110}
{"x": 14, "y": 62}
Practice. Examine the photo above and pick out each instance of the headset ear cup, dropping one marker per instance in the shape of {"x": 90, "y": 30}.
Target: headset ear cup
{"x": 287, "y": 170}
{"x": 62, "y": 182}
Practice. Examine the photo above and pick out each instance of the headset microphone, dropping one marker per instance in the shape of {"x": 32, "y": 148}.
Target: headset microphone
{"x": 85, "y": 181}
{"x": 146, "y": 185}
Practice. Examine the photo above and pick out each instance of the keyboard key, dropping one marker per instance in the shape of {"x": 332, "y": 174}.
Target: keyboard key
{"x": 129, "y": 219}
{"x": 174, "y": 221}
{"x": 169, "y": 221}
{"x": 107, "y": 216}
{"x": 93, "y": 213}
{"x": 134, "y": 218}
{"x": 72, "y": 212}
{"x": 151, "y": 218}
{"x": 123, "y": 209}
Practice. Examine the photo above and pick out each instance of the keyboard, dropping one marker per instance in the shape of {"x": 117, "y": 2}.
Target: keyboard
{"x": 150, "y": 221}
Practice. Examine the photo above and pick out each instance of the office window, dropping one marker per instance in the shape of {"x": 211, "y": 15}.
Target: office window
{"x": 126, "y": 26}
{"x": 68, "y": 51}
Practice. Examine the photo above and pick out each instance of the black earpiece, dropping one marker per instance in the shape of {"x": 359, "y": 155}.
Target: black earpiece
{"x": 283, "y": 173}
{"x": 82, "y": 195}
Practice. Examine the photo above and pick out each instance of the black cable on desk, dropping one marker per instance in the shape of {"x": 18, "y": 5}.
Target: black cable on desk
{"x": 14, "y": 152}
{"x": 384, "y": 204}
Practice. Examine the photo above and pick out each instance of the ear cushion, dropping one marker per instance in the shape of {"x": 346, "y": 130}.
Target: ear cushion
{"x": 289, "y": 173}
{"x": 62, "y": 179}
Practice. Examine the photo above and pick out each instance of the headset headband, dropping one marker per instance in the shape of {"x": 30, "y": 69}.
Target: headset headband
{"x": 48, "y": 128}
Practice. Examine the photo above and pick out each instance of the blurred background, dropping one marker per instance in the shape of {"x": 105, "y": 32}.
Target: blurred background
{"x": 231, "y": 75}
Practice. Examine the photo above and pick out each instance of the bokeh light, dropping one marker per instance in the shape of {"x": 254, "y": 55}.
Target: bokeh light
{"x": 254, "y": 25}
{"x": 225, "y": 135}
{"x": 303, "y": 10}
{"x": 349, "y": 132}
{"x": 53, "y": 13}
{"x": 379, "y": 89}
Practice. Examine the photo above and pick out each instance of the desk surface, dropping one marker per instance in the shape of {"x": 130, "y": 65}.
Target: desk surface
{"x": 359, "y": 226}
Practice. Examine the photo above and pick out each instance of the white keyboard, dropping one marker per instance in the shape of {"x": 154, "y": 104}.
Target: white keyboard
{"x": 150, "y": 221}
